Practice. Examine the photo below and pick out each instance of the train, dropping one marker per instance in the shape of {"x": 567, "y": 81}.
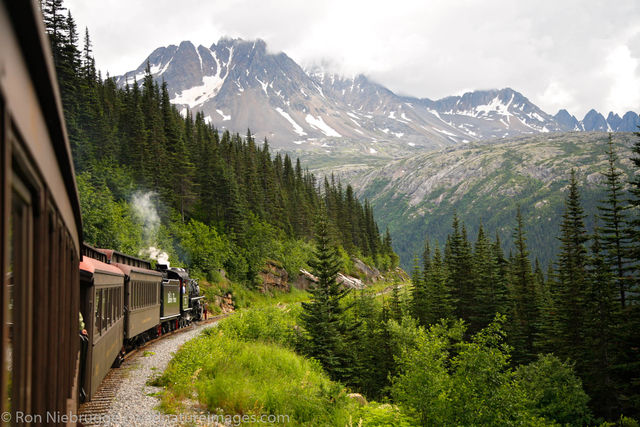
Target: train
{"x": 68, "y": 311}
{"x": 124, "y": 303}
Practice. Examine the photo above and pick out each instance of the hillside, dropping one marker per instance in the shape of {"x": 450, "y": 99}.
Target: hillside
{"x": 483, "y": 183}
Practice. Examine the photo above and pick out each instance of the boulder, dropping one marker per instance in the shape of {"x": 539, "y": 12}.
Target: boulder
{"x": 358, "y": 398}
{"x": 225, "y": 302}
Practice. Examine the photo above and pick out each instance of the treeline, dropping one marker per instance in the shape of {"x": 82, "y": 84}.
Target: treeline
{"x": 131, "y": 139}
{"x": 585, "y": 309}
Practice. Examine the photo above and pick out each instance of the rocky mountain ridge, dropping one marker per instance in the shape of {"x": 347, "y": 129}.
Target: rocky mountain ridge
{"x": 239, "y": 84}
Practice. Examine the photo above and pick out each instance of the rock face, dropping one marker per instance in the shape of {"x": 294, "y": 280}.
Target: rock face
{"x": 274, "y": 277}
{"x": 225, "y": 302}
{"x": 350, "y": 282}
{"x": 305, "y": 280}
{"x": 372, "y": 274}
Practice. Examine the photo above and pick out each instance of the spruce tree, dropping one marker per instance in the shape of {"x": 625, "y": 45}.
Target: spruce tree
{"x": 323, "y": 317}
{"x": 601, "y": 332}
{"x": 524, "y": 313}
{"x": 489, "y": 291}
{"x": 570, "y": 290}
{"x": 612, "y": 215}
{"x": 440, "y": 304}
{"x": 459, "y": 266}
{"x": 419, "y": 303}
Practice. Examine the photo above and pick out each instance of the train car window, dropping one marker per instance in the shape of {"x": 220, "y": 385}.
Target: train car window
{"x": 104, "y": 310}
{"x": 17, "y": 348}
{"x": 112, "y": 291}
{"x": 108, "y": 307}
{"x": 135, "y": 295}
{"x": 98, "y": 304}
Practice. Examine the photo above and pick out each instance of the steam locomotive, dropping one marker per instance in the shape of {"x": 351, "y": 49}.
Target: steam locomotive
{"x": 125, "y": 303}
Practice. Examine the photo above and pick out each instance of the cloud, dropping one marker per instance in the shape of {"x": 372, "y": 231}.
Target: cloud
{"x": 622, "y": 67}
{"x": 551, "y": 51}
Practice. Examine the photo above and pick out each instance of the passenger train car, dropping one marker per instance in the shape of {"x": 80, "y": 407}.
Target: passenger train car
{"x": 68, "y": 311}
{"x": 40, "y": 227}
{"x": 126, "y": 303}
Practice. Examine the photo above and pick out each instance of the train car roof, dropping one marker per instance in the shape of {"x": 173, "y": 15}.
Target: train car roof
{"x": 116, "y": 257}
{"x": 128, "y": 269}
{"x": 94, "y": 266}
{"x": 30, "y": 87}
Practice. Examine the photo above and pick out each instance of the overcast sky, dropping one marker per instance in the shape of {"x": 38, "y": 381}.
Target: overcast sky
{"x": 574, "y": 54}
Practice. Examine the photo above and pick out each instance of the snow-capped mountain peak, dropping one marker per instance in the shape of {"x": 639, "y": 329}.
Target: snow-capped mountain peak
{"x": 239, "y": 84}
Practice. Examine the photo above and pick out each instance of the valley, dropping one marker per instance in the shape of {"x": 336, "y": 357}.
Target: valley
{"x": 483, "y": 183}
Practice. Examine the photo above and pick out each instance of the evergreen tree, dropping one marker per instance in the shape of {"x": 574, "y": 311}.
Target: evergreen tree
{"x": 323, "y": 317}
{"x": 489, "y": 291}
{"x": 440, "y": 303}
{"x": 459, "y": 266}
{"x": 600, "y": 333}
{"x": 419, "y": 303}
{"x": 524, "y": 313}
{"x": 570, "y": 290}
{"x": 612, "y": 213}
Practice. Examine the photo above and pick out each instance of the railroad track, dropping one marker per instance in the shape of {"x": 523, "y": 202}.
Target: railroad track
{"x": 100, "y": 405}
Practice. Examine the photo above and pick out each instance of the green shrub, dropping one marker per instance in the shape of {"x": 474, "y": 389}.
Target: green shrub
{"x": 385, "y": 415}
{"x": 444, "y": 380}
{"x": 553, "y": 391}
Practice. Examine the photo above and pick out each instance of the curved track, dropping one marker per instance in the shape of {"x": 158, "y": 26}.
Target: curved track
{"x": 99, "y": 407}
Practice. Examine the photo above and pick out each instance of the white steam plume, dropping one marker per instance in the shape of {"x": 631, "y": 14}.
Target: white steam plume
{"x": 145, "y": 210}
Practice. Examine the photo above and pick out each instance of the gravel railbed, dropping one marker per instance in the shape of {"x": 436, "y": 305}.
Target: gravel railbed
{"x": 135, "y": 402}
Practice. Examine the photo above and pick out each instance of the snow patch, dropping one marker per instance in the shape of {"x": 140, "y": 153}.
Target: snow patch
{"x": 207, "y": 120}
{"x": 224, "y": 118}
{"x": 198, "y": 95}
{"x": 165, "y": 66}
{"x": 318, "y": 123}
{"x": 372, "y": 151}
{"x": 296, "y": 127}
{"x": 264, "y": 85}
{"x": 411, "y": 144}
{"x": 444, "y": 132}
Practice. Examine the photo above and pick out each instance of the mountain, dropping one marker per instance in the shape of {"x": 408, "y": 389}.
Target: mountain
{"x": 416, "y": 197}
{"x": 240, "y": 84}
{"x": 567, "y": 121}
